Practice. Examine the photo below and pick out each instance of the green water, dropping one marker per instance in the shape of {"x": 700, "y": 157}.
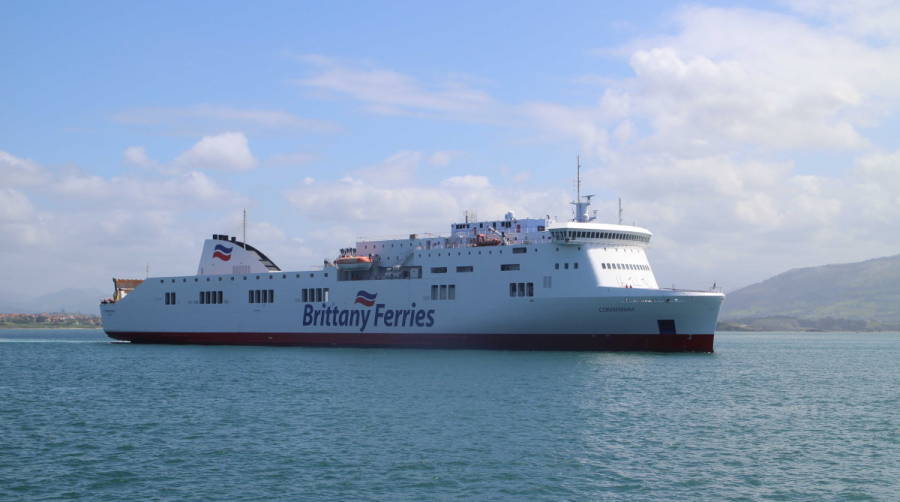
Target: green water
{"x": 767, "y": 417}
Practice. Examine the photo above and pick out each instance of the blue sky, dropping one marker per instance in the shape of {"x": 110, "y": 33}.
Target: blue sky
{"x": 751, "y": 137}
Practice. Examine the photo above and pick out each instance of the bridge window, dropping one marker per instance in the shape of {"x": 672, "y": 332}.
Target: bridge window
{"x": 465, "y": 268}
{"x": 509, "y": 266}
{"x": 438, "y": 270}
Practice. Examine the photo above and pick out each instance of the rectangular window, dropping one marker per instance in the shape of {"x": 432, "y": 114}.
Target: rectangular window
{"x": 438, "y": 270}
{"x": 465, "y": 268}
{"x": 167, "y": 298}
{"x": 530, "y": 288}
{"x": 325, "y": 294}
{"x": 443, "y": 291}
{"x": 251, "y": 296}
{"x": 257, "y": 296}
{"x": 201, "y": 297}
{"x": 512, "y": 289}
{"x": 434, "y": 292}
{"x": 304, "y": 294}
{"x": 576, "y": 264}
{"x": 318, "y": 294}
{"x": 521, "y": 286}
{"x": 520, "y": 250}
{"x": 271, "y": 296}
{"x": 509, "y": 266}
{"x": 451, "y": 292}
{"x": 556, "y": 266}
{"x": 219, "y": 297}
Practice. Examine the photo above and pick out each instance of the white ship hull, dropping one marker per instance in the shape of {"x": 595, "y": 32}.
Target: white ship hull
{"x": 578, "y": 286}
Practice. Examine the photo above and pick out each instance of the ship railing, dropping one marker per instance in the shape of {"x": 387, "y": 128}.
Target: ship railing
{"x": 693, "y": 290}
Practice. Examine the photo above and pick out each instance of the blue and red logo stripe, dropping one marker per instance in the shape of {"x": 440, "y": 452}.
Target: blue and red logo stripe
{"x": 366, "y": 298}
{"x": 221, "y": 252}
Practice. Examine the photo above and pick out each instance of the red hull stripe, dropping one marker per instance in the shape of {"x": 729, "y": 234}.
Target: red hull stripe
{"x": 654, "y": 342}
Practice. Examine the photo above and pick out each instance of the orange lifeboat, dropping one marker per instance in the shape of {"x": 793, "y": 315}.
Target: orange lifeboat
{"x": 483, "y": 240}
{"x": 353, "y": 263}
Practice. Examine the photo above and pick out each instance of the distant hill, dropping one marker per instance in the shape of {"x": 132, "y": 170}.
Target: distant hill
{"x": 849, "y": 296}
{"x": 83, "y": 301}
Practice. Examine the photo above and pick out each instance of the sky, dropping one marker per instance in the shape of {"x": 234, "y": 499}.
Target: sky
{"x": 749, "y": 137}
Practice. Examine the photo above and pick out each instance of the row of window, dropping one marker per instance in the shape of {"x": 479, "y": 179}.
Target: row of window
{"x": 625, "y": 266}
{"x": 443, "y": 291}
{"x": 566, "y": 266}
{"x": 470, "y": 268}
{"x": 170, "y": 298}
{"x": 521, "y": 289}
{"x": 261, "y": 296}
{"x": 210, "y": 297}
{"x": 314, "y": 295}
{"x": 232, "y": 277}
{"x": 578, "y": 234}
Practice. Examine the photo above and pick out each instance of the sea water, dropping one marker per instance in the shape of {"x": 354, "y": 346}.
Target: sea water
{"x": 773, "y": 416}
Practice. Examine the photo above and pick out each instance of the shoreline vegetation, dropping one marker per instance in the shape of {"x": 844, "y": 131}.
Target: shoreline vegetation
{"x": 49, "y": 320}
{"x": 787, "y": 323}
{"x": 63, "y": 320}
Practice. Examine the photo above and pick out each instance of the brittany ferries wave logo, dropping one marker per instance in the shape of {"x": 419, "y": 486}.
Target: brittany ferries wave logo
{"x": 221, "y": 252}
{"x": 365, "y": 298}
{"x": 332, "y": 315}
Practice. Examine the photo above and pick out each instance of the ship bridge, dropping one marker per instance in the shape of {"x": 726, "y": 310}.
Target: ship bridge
{"x": 580, "y": 233}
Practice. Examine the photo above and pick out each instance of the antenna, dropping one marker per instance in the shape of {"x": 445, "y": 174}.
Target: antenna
{"x": 620, "y": 210}
{"x": 245, "y": 226}
{"x": 578, "y": 178}
{"x": 148, "y": 269}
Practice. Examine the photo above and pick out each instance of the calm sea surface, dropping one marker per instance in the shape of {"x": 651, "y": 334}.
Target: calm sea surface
{"x": 767, "y": 417}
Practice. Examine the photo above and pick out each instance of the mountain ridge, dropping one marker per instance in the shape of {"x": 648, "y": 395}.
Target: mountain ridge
{"x": 865, "y": 293}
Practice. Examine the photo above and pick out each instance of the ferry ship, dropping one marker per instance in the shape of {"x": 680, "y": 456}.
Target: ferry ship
{"x": 509, "y": 283}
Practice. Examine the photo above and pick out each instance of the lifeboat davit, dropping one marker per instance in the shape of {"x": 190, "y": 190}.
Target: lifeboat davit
{"x": 353, "y": 263}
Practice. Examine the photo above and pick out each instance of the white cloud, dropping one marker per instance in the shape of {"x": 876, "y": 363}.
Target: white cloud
{"x": 137, "y": 156}
{"x": 468, "y": 181}
{"x": 183, "y": 190}
{"x": 409, "y": 206}
{"x": 208, "y": 119}
{"x": 391, "y": 92}
{"x": 14, "y": 206}
{"x": 227, "y": 151}
{"x": 443, "y": 158}
{"x": 20, "y": 224}
{"x": 107, "y": 225}
{"x": 398, "y": 169}
{"x": 15, "y": 171}
{"x": 879, "y": 19}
